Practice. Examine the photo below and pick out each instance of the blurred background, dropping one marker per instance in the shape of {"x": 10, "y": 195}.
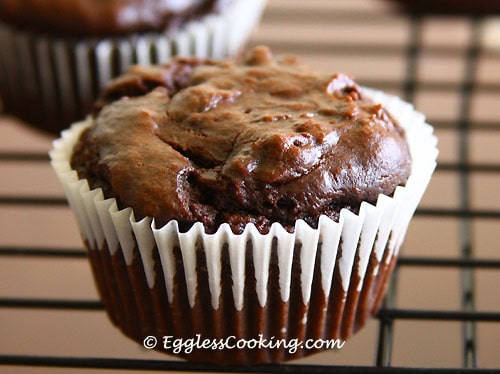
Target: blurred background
{"x": 443, "y": 310}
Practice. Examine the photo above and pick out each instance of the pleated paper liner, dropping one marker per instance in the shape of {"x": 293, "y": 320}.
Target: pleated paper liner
{"x": 322, "y": 283}
{"x": 51, "y": 81}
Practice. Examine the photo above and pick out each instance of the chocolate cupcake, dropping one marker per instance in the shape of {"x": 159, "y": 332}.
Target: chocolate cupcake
{"x": 58, "y": 55}
{"x": 260, "y": 204}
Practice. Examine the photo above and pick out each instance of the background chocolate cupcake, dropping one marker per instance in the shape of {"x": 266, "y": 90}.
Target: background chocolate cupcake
{"x": 270, "y": 201}
{"x": 57, "y": 55}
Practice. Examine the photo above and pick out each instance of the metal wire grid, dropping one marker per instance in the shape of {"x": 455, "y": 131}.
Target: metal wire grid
{"x": 467, "y": 315}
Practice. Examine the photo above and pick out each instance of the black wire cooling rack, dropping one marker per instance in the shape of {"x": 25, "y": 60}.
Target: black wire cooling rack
{"x": 467, "y": 264}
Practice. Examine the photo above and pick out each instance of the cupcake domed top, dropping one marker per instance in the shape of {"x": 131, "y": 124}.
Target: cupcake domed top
{"x": 263, "y": 141}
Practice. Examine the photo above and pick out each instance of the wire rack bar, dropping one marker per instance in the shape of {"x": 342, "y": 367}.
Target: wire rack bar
{"x": 9, "y": 251}
{"x": 33, "y": 200}
{"x": 386, "y": 314}
{"x": 450, "y": 262}
{"x": 24, "y": 156}
{"x": 461, "y": 213}
{"x": 469, "y": 168}
{"x": 386, "y": 327}
{"x": 444, "y": 166}
{"x": 35, "y": 303}
{"x": 361, "y": 50}
{"x": 444, "y": 315}
{"x": 472, "y": 125}
{"x": 466, "y": 240}
{"x": 439, "y": 212}
{"x": 304, "y": 15}
{"x": 42, "y": 252}
{"x": 181, "y": 366}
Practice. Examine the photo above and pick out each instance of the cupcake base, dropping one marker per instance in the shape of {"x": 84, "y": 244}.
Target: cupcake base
{"x": 139, "y": 311}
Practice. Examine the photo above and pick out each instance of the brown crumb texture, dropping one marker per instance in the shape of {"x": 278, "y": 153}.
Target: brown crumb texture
{"x": 261, "y": 141}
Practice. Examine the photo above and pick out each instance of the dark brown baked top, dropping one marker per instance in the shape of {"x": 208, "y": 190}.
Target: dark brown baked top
{"x": 104, "y": 17}
{"x": 263, "y": 141}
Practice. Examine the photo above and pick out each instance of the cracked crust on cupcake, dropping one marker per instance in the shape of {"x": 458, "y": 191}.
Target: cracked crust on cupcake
{"x": 261, "y": 141}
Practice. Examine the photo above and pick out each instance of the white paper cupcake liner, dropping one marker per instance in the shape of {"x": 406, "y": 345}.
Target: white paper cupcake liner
{"x": 51, "y": 81}
{"x": 312, "y": 283}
